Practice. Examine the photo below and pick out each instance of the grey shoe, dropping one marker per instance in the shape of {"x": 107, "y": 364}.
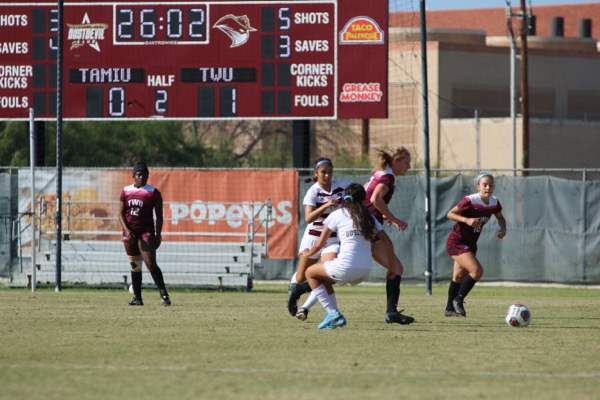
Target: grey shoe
{"x": 459, "y": 307}
{"x": 450, "y": 313}
{"x": 302, "y": 314}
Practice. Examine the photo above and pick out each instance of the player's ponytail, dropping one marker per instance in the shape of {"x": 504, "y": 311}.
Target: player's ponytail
{"x": 361, "y": 216}
{"x": 386, "y": 159}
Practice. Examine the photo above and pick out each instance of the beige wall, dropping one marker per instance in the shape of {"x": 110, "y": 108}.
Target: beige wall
{"x": 464, "y": 73}
{"x": 553, "y": 144}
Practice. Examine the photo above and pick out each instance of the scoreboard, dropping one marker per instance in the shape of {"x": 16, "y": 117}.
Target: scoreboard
{"x": 319, "y": 59}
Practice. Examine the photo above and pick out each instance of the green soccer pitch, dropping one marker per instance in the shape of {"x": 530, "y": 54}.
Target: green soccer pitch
{"x": 88, "y": 344}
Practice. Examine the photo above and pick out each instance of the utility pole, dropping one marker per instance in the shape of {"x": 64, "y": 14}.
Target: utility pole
{"x": 524, "y": 83}
{"x": 364, "y": 147}
{"x": 513, "y": 96}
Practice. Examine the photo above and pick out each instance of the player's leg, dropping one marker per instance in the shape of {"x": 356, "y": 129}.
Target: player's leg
{"x": 471, "y": 264}
{"x": 322, "y": 285}
{"x": 302, "y": 313}
{"x": 392, "y": 286}
{"x": 147, "y": 248}
{"x": 458, "y": 274}
{"x": 135, "y": 262}
{"x": 298, "y": 284}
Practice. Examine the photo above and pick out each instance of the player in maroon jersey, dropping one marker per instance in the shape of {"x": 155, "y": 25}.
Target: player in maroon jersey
{"x": 471, "y": 213}
{"x": 139, "y": 202}
{"x": 380, "y": 189}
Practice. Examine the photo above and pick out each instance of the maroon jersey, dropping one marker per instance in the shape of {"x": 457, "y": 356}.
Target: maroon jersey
{"x": 385, "y": 177}
{"x": 465, "y": 236}
{"x": 139, "y": 207}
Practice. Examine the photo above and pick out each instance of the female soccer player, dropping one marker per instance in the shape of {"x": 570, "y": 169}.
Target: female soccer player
{"x": 471, "y": 213}
{"x": 380, "y": 189}
{"x": 138, "y": 202}
{"x": 320, "y": 200}
{"x": 356, "y": 228}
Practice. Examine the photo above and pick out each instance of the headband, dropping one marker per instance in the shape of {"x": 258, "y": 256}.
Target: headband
{"x": 348, "y": 197}
{"x": 323, "y": 161}
{"x": 482, "y": 175}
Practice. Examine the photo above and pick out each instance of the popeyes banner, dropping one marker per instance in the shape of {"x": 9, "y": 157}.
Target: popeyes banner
{"x": 205, "y": 205}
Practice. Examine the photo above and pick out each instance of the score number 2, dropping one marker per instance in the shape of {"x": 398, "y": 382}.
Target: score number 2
{"x": 116, "y": 102}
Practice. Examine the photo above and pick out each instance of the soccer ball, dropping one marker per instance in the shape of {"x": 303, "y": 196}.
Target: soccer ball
{"x": 518, "y": 315}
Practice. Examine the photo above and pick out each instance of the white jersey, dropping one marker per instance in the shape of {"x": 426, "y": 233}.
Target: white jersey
{"x": 316, "y": 196}
{"x": 354, "y": 260}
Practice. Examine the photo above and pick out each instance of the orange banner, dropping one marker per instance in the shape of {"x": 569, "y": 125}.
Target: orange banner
{"x": 207, "y": 205}
{"x": 223, "y": 202}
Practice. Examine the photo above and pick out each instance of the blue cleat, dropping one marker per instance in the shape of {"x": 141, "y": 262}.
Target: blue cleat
{"x": 333, "y": 321}
{"x": 328, "y": 318}
{"x": 338, "y": 321}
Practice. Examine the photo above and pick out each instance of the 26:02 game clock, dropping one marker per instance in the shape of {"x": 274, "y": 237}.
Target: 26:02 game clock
{"x": 196, "y": 60}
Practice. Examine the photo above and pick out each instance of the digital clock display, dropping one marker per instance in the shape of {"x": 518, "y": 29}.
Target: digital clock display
{"x": 319, "y": 59}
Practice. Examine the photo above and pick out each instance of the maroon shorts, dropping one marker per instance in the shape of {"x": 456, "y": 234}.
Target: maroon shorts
{"x": 456, "y": 248}
{"x": 137, "y": 236}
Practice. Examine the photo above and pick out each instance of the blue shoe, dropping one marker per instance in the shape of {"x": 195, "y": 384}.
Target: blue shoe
{"x": 337, "y": 322}
{"x": 332, "y": 321}
{"x": 327, "y": 320}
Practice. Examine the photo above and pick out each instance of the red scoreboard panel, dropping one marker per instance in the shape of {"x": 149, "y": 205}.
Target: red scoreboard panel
{"x": 170, "y": 59}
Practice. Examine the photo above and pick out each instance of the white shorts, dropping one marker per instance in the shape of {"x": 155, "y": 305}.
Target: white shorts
{"x": 331, "y": 246}
{"x": 343, "y": 274}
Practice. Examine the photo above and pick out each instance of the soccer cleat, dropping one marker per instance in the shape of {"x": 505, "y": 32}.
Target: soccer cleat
{"x": 337, "y": 322}
{"x": 459, "y": 307}
{"x": 165, "y": 300}
{"x": 450, "y": 313}
{"x": 136, "y": 302}
{"x": 296, "y": 290}
{"x": 302, "y": 314}
{"x": 328, "y": 319}
{"x": 396, "y": 317}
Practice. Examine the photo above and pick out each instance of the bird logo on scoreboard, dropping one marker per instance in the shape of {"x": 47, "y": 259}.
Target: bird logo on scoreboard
{"x": 236, "y": 27}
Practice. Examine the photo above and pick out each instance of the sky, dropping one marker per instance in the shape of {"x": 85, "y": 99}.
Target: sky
{"x": 454, "y": 4}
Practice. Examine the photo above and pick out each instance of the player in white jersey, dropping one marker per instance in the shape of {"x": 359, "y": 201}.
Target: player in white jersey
{"x": 356, "y": 229}
{"x": 319, "y": 201}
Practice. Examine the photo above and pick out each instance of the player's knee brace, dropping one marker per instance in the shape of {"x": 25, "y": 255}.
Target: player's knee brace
{"x": 136, "y": 263}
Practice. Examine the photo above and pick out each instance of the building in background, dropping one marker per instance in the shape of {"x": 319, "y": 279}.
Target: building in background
{"x": 469, "y": 80}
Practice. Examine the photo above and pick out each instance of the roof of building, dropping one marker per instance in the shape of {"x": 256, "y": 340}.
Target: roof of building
{"x": 494, "y": 20}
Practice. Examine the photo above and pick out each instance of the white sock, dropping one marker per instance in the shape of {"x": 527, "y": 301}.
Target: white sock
{"x": 311, "y": 301}
{"x": 294, "y": 280}
{"x": 325, "y": 299}
{"x": 333, "y": 301}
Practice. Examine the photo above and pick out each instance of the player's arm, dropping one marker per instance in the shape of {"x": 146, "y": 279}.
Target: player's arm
{"x": 311, "y": 213}
{"x": 158, "y": 213}
{"x": 379, "y": 203}
{"x": 455, "y": 215}
{"x": 502, "y": 223}
{"x": 319, "y": 244}
{"x": 123, "y": 221}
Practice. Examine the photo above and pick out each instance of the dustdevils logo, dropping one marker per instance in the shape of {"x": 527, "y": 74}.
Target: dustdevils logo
{"x": 86, "y": 33}
{"x": 237, "y": 28}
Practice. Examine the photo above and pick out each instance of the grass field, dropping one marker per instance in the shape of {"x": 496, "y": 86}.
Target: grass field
{"x": 88, "y": 344}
